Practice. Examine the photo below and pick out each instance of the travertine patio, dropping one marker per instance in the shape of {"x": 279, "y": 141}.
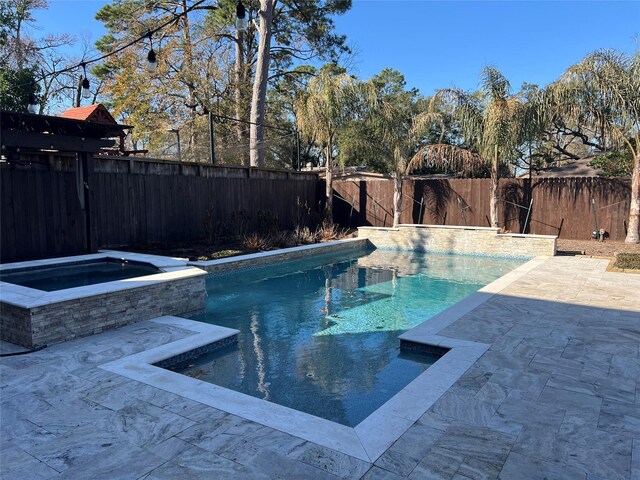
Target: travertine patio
{"x": 554, "y": 397}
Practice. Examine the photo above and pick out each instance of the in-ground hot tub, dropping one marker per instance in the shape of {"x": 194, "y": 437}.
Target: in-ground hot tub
{"x": 50, "y": 278}
{"x": 54, "y": 300}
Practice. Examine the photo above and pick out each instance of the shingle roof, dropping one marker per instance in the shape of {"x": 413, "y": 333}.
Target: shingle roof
{"x": 94, "y": 113}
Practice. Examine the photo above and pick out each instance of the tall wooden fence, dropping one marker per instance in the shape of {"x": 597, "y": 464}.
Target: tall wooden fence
{"x": 133, "y": 201}
{"x": 559, "y": 206}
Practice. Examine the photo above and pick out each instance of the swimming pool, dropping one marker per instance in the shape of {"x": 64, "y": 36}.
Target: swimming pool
{"x": 321, "y": 335}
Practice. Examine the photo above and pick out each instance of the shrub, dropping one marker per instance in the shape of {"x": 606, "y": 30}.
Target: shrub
{"x": 267, "y": 222}
{"x": 617, "y": 163}
{"x": 329, "y": 231}
{"x": 215, "y": 229}
{"x": 628, "y": 261}
{"x": 304, "y": 235}
{"x": 301, "y": 214}
{"x": 239, "y": 223}
{"x": 255, "y": 241}
{"x": 283, "y": 239}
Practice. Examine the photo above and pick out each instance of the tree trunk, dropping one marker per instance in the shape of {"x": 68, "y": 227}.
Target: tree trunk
{"x": 633, "y": 236}
{"x": 495, "y": 197}
{"x": 188, "y": 63}
{"x": 397, "y": 199}
{"x": 256, "y": 135}
{"x": 328, "y": 208}
{"x": 19, "y": 49}
{"x": 240, "y": 82}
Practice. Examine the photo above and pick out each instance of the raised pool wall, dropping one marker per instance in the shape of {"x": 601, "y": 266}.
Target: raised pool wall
{"x": 261, "y": 259}
{"x": 461, "y": 240}
{"x": 33, "y": 318}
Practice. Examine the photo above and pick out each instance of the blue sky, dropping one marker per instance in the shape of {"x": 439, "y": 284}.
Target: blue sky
{"x": 438, "y": 44}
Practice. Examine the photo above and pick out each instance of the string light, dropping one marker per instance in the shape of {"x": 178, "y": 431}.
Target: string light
{"x": 241, "y": 18}
{"x": 33, "y": 106}
{"x": 152, "y": 64}
{"x": 86, "y": 93}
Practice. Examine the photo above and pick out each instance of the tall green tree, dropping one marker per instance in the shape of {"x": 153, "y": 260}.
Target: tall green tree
{"x": 15, "y": 88}
{"x": 602, "y": 92}
{"x": 490, "y": 125}
{"x": 328, "y": 104}
{"x": 30, "y": 63}
{"x": 301, "y": 30}
{"x": 360, "y": 140}
{"x": 205, "y": 63}
{"x": 402, "y": 138}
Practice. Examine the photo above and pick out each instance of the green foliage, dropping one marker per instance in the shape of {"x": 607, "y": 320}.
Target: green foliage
{"x": 614, "y": 164}
{"x": 15, "y": 87}
{"x": 630, "y": 261}
{"x": 329, "y": 104}
{"x": 281, "y": 114}
{"x": 361, "y": 139}
{"x": 202, "y": 65}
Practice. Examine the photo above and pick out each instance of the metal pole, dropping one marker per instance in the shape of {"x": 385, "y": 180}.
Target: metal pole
{"x": 178, "y": 140}
{"x": 298, "y": 148}
{"x": 212, "y": 152}
{"x": 596, "y": 232}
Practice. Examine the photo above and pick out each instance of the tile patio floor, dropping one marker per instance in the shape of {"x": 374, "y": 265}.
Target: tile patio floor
{"x": 556, "y": 396}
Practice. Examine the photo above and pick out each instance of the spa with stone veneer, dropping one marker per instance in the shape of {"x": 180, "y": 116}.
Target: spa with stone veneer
{"x": 33, "y": 317}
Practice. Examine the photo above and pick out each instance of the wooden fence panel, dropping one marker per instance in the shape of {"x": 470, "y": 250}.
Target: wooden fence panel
{"x": 559, "y": 206}
{"x": 42, "y": 217}
{"x": 40, "y": 213}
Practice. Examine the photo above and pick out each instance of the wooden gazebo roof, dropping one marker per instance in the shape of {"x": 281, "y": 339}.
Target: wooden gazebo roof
{"x": 44, "y": 132}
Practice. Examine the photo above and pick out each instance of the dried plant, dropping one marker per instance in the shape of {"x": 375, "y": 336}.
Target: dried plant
{"x": 215, "y": 229}
{"x": 329, "y": 231}
{"x": 239, "y": 223}
{"x": 255, "y": 241}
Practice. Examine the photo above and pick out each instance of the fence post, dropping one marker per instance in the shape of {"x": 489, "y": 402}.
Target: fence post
{"x": 212, "y": 151}
{"x": 87, "y": 173}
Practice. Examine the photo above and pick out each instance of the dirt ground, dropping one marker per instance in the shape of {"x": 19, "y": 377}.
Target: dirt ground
{"x": 594, "y": 248}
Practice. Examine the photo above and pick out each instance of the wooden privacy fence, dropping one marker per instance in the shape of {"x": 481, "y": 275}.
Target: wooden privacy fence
{"x": 559, "y": 206}
{"x": 133, "y": 201}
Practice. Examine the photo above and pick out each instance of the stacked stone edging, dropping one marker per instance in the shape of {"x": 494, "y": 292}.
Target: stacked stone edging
{"x": 464, "y": 240}
{"x": 59, "y": 322}
{"x": 278, "y": 256}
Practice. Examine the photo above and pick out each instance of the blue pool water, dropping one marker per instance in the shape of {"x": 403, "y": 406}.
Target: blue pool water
{"x": 321, "y": 335}
{"x": 78, "y": 274}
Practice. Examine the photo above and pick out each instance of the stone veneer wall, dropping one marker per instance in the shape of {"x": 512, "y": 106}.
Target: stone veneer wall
{"x": 59, "y": 322}
{"x": 466, "y": 240}
{"x": 277, "y": 256}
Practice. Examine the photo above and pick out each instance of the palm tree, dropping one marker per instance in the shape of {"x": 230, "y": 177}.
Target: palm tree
{"x": 489, "y": 122}
{"x": 603, "y": 92}
{"x": 401, "y": 137}
{"x": 323, "y": 109}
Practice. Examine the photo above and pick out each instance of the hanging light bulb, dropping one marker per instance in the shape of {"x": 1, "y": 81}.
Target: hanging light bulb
{"x": 86, "y": 93}
{"x": 32, "y": 107}
{"x": 152, "y": 63}
{"x": 241, "y": 18}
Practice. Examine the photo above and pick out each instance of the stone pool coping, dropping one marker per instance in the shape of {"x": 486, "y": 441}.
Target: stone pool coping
{"x": 265, "y": 258}
{"x": 24, "y": 297}
{"x": 374, "y": 435}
